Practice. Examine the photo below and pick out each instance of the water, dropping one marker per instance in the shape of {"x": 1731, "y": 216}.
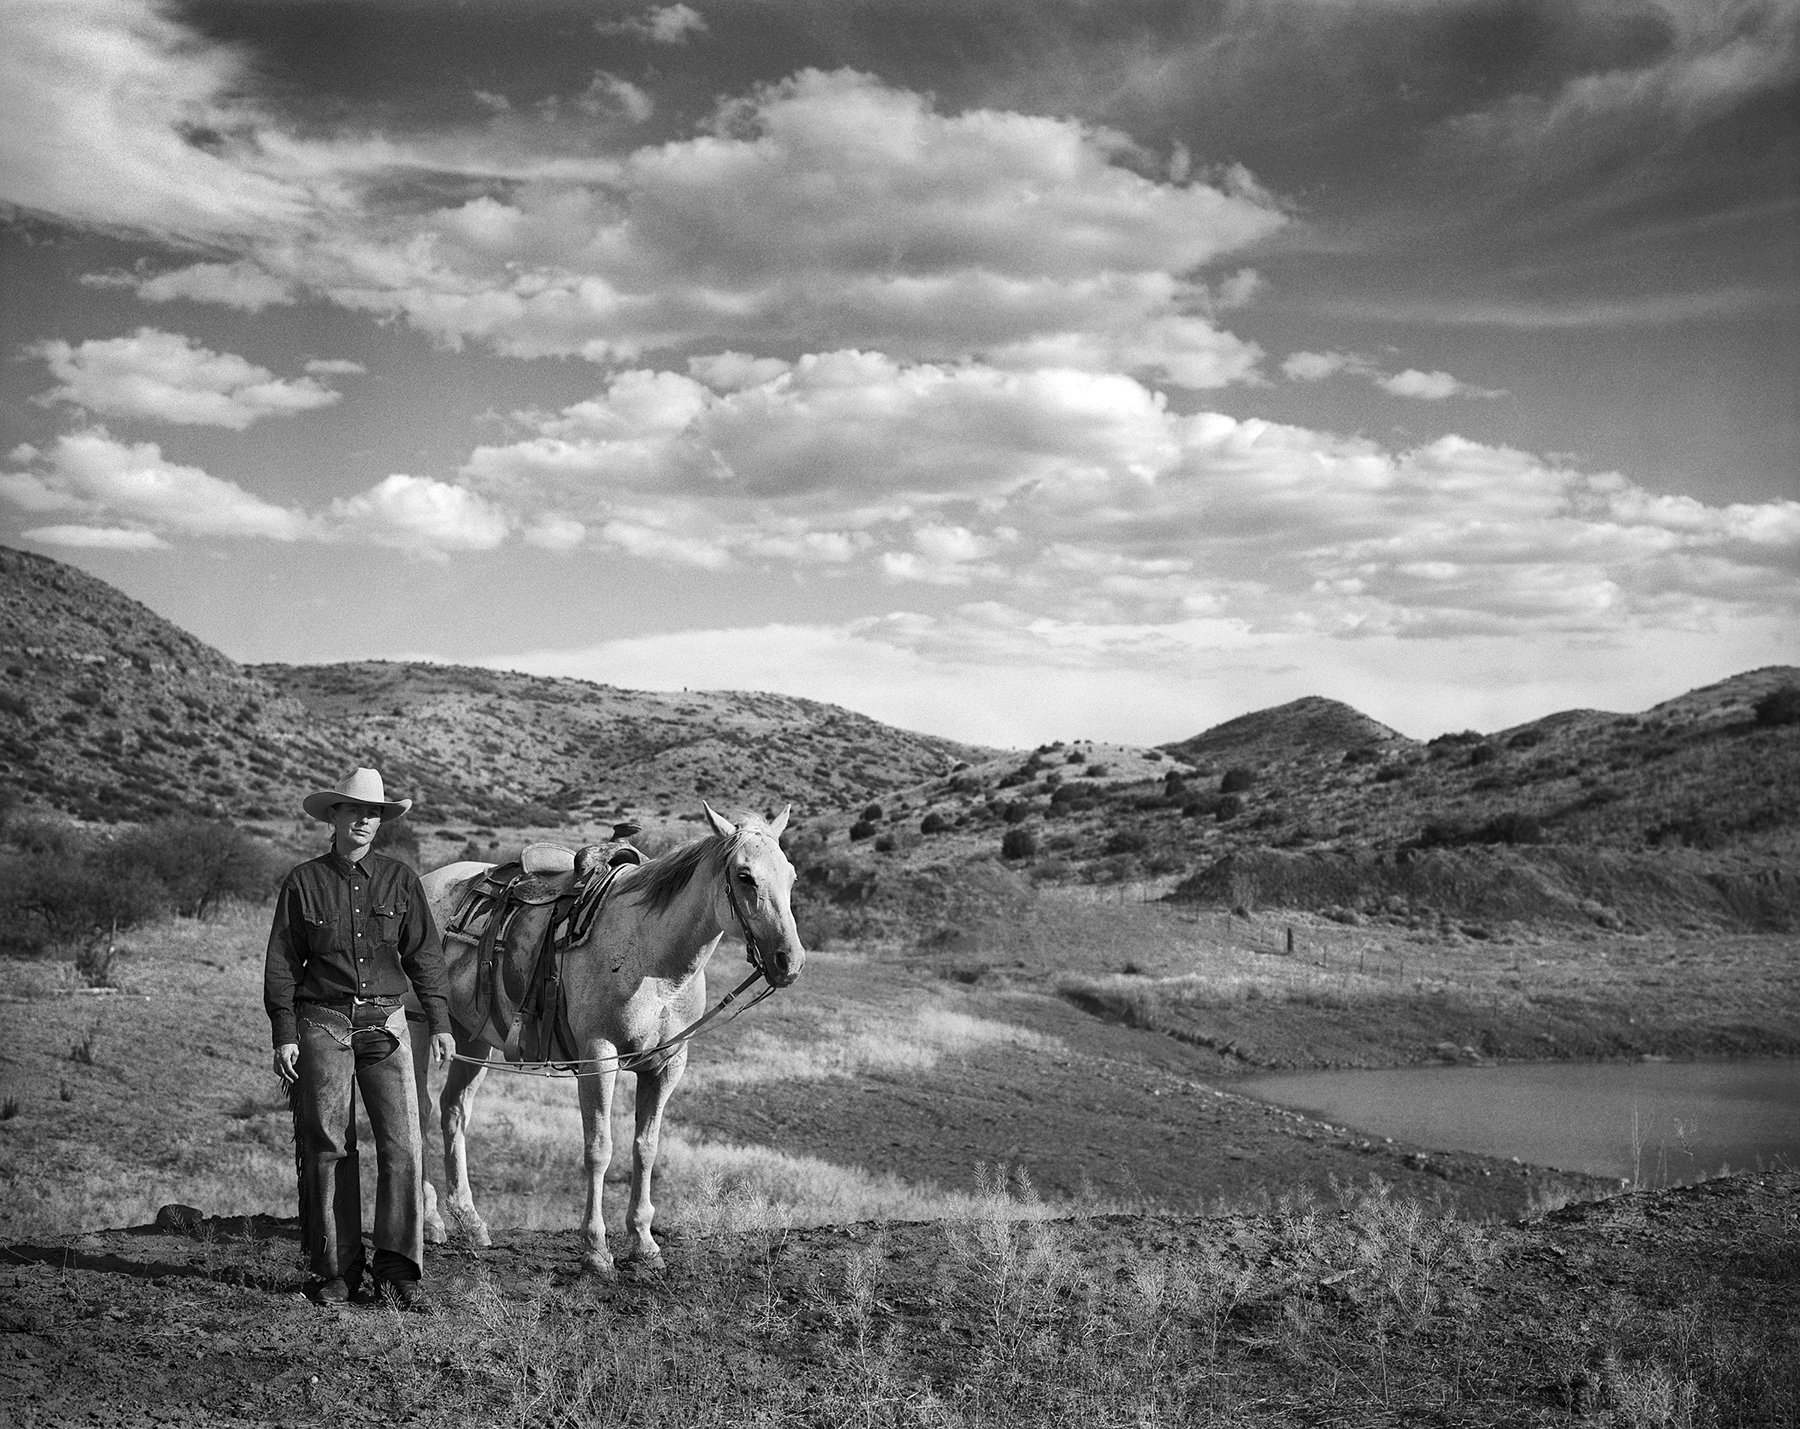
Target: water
{"x": 1654, "y": 1123}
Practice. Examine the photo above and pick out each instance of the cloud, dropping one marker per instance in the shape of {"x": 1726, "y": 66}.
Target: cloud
{"x": 116, "y": 115}
{"x": 90, "y": 473}
{"x": 96, "y": 538}
{"x": 608, "y": 96}
{"x": 426, "y": 517}
{"x": 1086, "y": 499}
{"x": 335, "y": 367}
{"x": 233, "y": 285}
{"x": 1431, "y": 386}
{"x": 167, "y": 377}
{"x": 973, "y": 674}
{"x": 1317, "y": 366}
{"x": 1427, "y": 386}
{"x": 829, "y": 208}
{"x": 662, "y": 25}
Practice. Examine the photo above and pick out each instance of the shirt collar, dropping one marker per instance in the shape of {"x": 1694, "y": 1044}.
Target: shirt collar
{"x": 344, "y": 866}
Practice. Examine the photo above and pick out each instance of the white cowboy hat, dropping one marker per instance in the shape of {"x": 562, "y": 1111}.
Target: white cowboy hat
{"x": 362, "y": 787}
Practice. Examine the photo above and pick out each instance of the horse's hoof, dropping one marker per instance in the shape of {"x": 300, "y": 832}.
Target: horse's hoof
{"x": 435, "y": 1234}
{"x": 599, "y": 1265}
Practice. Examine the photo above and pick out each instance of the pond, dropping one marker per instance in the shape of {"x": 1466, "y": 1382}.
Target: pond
{"x": 1654, "y": 1123}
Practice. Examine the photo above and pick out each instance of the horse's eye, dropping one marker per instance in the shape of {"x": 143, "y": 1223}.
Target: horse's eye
{"x": 746, "y": 877}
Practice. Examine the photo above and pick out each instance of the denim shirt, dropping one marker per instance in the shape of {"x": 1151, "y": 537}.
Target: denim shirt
{"x": 345, "y": 930}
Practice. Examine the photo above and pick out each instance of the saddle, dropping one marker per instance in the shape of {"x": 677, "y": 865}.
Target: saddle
{"x": 518, "y": 919}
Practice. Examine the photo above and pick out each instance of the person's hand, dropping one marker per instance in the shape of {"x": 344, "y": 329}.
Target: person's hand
{"x": 287, "y": 1061}
{"x": 443, "y": 1048}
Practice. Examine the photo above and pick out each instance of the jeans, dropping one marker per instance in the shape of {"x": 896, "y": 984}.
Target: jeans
{"x": 373, "y": 1054}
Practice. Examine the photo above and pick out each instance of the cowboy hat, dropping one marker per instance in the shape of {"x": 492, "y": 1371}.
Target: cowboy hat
{"x": 362, "y": 787}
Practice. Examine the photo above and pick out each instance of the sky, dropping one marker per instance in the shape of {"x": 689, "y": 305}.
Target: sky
{"x": 1011, "y": 370}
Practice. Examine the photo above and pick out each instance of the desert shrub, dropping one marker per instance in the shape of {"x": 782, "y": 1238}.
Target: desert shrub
{"x": 1015, "y": 812}
{"x": 1075, "y": 756}
{"x": 1236, "y": 780}
{"x": 1388, "y": 773}
{"x": 872, "y": 814}
{"x": 884, "y": 843}
{"x": 1483, "y": 754}
{"x": 50, "y": 903}
{"x": 1097, "y": 771}
{"x": 1511, "y": 828}
{"x": 861, "y": 829}
{"x": 1779, "y": 706}
{"x": 1526, "y": 739}
{"x": 1227, "y": 807}
{"x": 85, "y": 697}
{"x": 1198, "y": 808}
{"x": 1450, "y": 741}
{"x": 1127, "y": 841}
{"x": 1018, "y": 843}
{"x": 933, "y": 823}
{"x": 16, "y": 705}
{"x": 1367, "y": 755}
{"x": 1174, "y": 786}
{"x": 197, "y": 863}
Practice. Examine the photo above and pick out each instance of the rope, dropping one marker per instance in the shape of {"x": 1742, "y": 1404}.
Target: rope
{"x": 626, "y": 1061}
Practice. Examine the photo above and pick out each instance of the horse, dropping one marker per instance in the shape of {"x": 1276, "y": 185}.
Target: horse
{"x": 637, "y": 979}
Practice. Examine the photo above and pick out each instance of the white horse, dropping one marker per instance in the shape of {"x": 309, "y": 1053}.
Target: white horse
{"x": 637, "y": 979}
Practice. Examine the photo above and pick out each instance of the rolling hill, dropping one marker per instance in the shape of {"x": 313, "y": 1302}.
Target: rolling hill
{"x": 111, "y": 713}
{"x": 1687, "y": 811}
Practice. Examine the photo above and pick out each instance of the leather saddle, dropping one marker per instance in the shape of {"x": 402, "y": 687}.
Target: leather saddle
{"x": 516, "y": 921}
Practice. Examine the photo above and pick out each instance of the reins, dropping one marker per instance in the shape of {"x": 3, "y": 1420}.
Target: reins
{"x": 632, "y": 1061}
{"x": 627, "y": 1061}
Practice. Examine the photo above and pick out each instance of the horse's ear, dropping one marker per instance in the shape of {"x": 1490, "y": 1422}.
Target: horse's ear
{"x": 720, "y": 826}
{"x": 780, "y": 821}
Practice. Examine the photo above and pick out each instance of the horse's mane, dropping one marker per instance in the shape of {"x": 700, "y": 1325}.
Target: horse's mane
{"x": 659, "y": 882}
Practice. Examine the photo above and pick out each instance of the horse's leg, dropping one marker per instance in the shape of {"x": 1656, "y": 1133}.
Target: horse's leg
{"x": 458, "y": 1104}
{"x": 597, "y": 1148}
{"x": 420, "y": 1034}
{"x": 653, "y": 1092}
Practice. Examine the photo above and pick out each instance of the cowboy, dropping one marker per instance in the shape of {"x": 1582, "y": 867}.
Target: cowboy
{"x": 351, "y": 933}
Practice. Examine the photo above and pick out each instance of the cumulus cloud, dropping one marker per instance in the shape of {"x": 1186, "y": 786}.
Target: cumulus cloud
{"x": 334, "y": 367}
{"x": 661, "y": 24}
{"x": 96, "y": 538}
{"x": 421, "y": 515}
{"x": 1431, "y": 386}
{"x": 1087, "y": 497}
{"x": 1317, "y": 366}
{"x": 830, "y": 208}
{"x": 167, "y": 377}
{"x": 238, "y": 285}
{"x": 91, "y": 473}
{"x": 1427, "y": 386}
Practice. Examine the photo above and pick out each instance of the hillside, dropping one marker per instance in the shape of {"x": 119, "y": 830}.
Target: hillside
{"x": 110, "y": 712}
{"x": 1688, "y": 813}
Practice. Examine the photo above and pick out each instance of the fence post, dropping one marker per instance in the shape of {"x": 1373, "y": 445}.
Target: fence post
{"x": 1290, "y": 942}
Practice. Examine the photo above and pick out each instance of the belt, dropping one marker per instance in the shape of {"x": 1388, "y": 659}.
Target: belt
{"x": 338, "y": 1004}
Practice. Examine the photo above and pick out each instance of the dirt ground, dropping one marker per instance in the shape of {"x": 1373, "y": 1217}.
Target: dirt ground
{"x": 205, "y": 1326}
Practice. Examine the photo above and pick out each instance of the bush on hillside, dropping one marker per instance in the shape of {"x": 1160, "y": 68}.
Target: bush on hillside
{"x": 872, "y": 814}
{"x": 861, "y": 829}
{"x": 51, "y": 903}
{"x": 1016, "y": 812}
{"x": 1779, "y": 707}
{"x": 1237, "y": 780}
{"x": 1227, "y": 807}
{"x": 1127, "y": 841}
{"x": 933, "y": 823}
{"x": 198, "y": 863}
{"x": 1018, "y": 843}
